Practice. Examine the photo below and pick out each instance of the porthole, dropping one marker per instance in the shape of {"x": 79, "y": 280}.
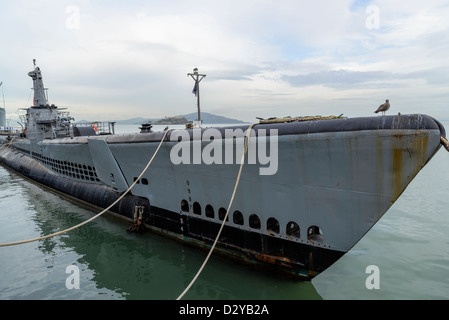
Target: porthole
{"x": 254, "y": 221}
{"x": 196, "y": 208}
{"x": 314, "y": 233}
{"x": 272, "y": 225}
{"x": 292, "y": 229}
{"x": 237, "y": 217}
{"x": 209, "y": 211}
{"x": 144, "y": 181}
{"x": 222, "y": 214}
{"x": 184, "y": 206}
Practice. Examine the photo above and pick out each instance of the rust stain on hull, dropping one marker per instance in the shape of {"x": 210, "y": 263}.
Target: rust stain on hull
{"x": 397, "y": 172}
{"x": 414, "y": 149}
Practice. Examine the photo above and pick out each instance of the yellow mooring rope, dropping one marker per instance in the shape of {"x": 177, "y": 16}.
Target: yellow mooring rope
{"x": 445, "y": 143}
{"x": 225, "y": 217}
{"x": 129, "y": 189}
{"x": 99, "y": 214}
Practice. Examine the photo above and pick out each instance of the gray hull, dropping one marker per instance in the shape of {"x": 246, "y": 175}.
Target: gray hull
{"x": 335, "y": 179}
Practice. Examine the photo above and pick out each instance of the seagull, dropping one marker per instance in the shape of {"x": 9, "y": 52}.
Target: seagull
{"x": 383, "y": 107}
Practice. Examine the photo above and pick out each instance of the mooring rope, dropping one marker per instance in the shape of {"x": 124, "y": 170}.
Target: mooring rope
{"x": 445, "y": 143}
{"x": 225, "y": 217}
{"x": 129, "y": 189}
{"x": 99, "y": 214}
{"x": 6, "y": 144}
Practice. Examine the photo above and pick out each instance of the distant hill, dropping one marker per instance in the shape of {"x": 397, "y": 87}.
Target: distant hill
{"x": 207, "y": 118}
{"x": 210, "y": 118}
{"x": 136, "y": 121}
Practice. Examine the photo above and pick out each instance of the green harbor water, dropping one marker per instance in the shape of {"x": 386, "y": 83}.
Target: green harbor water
{"x": 409, "y": 246}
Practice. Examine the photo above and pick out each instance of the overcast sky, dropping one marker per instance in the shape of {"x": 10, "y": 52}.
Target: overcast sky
{"x": 112, "y": 60}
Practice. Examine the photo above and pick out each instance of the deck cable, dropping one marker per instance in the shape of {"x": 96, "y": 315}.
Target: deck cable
{"x": 99, "y": 214}
{"x": 225, "y": 217}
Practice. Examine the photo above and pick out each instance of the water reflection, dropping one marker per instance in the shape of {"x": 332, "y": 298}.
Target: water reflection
{"x": 116, "y": 264}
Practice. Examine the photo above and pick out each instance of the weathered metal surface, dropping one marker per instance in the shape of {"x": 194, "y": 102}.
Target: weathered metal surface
{"x": 335, "y": 180}
{"x": 107, "y": 168}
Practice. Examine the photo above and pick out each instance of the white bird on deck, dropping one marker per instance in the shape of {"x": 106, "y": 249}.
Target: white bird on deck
{"x": 383, "y": 107}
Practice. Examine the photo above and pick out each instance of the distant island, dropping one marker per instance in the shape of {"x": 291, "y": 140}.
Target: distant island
{"x": 207, "y": 118}
{"x": 171, "y": 120}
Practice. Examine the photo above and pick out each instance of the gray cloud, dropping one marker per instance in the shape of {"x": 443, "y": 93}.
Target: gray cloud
{"x": 343, "y": 79}
{"x": 138, "y": 55}
{"x": 437, "y": 76}
{"x": 347, "y": 79}
{"x": 237, "y": 72}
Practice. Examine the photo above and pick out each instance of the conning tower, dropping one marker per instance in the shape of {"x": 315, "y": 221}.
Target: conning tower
{"x": 38, "y": 86}
{"x": 44, "y": 121}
